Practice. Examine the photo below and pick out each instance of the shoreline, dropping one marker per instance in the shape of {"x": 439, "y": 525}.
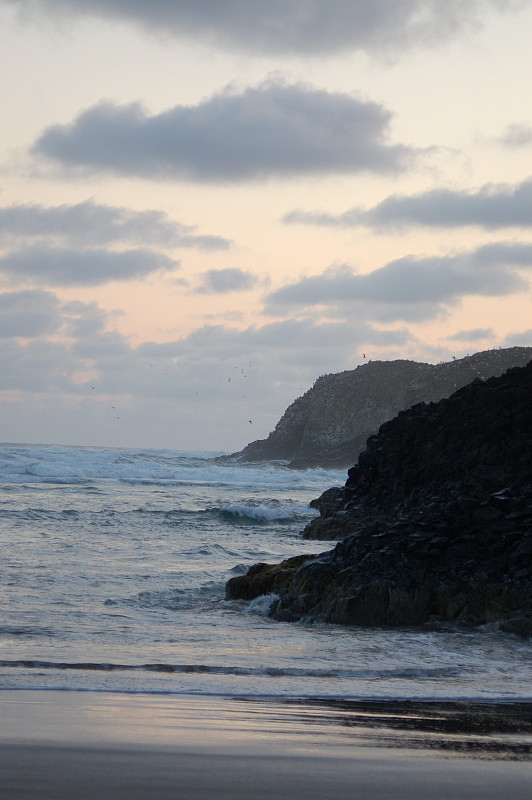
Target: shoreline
{"x": 60, "y": 744}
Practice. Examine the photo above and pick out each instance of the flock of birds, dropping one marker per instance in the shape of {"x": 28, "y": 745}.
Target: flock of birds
{"x": 243, "y": 375}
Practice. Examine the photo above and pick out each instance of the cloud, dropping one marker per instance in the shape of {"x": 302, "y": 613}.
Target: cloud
{"x": 49, "y": 346}
{"x": 80, "y": 381}
{"x": 90, "y": 224}
{"x": 516, "y": 135}
{"x": 522, "y": 339}
{"x": 221, "y": 281}
{"x": 199, "y": 391}
{"x": 82, "y": 320}
{"x": 274, "y": 129}
{"x": 69, "y": 267}
{"x": 472, "y": 335}
{"x": 500, "y": 254}
{"x": 410, "y": 287}
{"x": 298, "y": 27}
{"x": 28, "y": 313}
{"x": 38, "y": 338}
{"x": 285, "y": 349}
{"x": 38, "y": 365}
{"x": 492, "y": 207}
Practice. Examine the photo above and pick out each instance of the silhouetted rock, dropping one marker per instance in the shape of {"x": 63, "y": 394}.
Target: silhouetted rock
{"x": 329, "y": 424}
{"x": 436, "y": 520}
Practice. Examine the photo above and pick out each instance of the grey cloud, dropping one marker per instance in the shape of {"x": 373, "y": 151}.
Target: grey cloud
{"x": 90, "y": 224}
{"x": 92, "y": 380}
{"x": 493, "y": 206}
{"x": 291, "y": 334}
{"x": 495, "y": 254}
{"x": 85, "y": 319}
{"x": 282, "y": 359}
{"x": 221, "y": 281}
{"x": 320, "y": 27}
{"x": 522, "y": 339}
{"x": 274, "y": 129}
{"x": 472, "y": 335}
{"x": 106, "y": 348}
{"x": 67, "y": 267}
{"x": 516, "y": 135}
{"x": 28, "y": 313}
{"x": 406, "y": 287}
{"x": 39, "y": 365}
{"x": 34, "y": 313}
{"x": 85, "y": 347}
{"x": 205, "y": 358}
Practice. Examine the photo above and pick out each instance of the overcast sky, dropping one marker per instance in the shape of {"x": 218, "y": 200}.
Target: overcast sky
{"x": 207, "y": 204}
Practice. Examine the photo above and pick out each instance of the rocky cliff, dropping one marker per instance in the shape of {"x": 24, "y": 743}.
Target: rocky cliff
{"x": 436, "y": 519}
{"x": 329, "y": 424}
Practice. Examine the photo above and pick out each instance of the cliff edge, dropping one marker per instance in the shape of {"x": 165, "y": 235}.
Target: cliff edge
{"x": 329, "y": 425}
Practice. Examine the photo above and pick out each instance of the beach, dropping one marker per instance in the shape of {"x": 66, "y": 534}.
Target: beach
{"x": 90, "y": 745}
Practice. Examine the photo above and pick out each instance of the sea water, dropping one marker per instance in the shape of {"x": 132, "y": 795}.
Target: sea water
{"x": 113, "y": 564}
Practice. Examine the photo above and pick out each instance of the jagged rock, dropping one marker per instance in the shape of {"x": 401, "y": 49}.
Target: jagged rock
{"x": 263, "y": 578}
{"x": 522, "y": 626}
{"x": 329, "y": 425}
{"x": 436, "y": 520}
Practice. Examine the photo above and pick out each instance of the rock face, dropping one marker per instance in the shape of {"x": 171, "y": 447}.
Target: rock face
{"x": 329, "y": 424}
{"x": 436, "y": 520}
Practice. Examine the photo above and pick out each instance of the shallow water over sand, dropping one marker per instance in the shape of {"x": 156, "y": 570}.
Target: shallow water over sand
{"x": 90, "y": 745}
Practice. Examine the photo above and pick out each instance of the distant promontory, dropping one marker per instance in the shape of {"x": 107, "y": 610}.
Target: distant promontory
{"x": 328, "y": 426}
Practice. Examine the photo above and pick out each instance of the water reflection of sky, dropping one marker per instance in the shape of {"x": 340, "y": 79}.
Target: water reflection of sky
{"x": 487, "y": 731}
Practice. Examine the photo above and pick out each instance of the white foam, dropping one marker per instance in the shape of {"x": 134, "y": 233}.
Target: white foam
{"x": 267, "y": 513}
{"x": 262, "y": 605}
{"x": 40, "y": 463}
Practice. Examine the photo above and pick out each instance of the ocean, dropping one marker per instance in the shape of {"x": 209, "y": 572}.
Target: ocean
{"x": 113, "y": 565}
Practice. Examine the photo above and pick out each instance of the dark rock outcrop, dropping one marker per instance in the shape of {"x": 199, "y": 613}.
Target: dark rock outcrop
{"x": 436, "y": 520}
{"x": 328, "y": 425}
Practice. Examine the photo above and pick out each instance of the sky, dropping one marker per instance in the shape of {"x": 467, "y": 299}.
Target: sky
{"x": 205, "y": 205}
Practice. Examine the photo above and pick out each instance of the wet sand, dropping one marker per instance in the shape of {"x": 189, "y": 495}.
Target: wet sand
{"x": 113, "y": 746}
